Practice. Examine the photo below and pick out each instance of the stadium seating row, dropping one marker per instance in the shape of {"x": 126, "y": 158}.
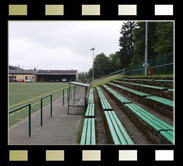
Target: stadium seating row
{"x": 148, "y": 96}
{"x": 152, "y": 121}
{"x": 118, "y": 133}
{"x": 88, "y": 136}
{"x": 149, "y": 80}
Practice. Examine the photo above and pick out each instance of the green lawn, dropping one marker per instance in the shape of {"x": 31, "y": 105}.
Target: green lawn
{"x": 23, "y": 93}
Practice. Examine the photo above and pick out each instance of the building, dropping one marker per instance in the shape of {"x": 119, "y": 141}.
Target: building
{"x": 57, "y": 75}
{"x": 19, "y": 74}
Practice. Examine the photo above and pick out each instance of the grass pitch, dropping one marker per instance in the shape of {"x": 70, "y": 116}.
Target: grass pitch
{"x": 24, "y": 93}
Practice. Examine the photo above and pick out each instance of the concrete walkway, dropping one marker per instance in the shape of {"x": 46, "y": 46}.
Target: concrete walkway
{"x": 57, "y": 130}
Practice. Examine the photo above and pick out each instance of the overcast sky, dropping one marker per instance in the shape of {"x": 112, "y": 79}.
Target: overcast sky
{"x": 61, "y": 45}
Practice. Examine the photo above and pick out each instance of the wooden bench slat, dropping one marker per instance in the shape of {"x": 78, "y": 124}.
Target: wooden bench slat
{"x": 112, "y": 130}
{"x": 88, "y": 137}
{"x": 83, "y": 138}
{"x": 117, "y": 130}
{"x": 123, "y": 130}
{"x": 93, "y": 139}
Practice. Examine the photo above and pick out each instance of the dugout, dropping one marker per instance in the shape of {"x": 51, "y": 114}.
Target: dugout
{"x": 57, "y": 75}
{"x": 75, "y": 100}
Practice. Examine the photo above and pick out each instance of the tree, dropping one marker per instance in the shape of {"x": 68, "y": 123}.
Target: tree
{"x": 139, "y": 41}
{"x": 164, "y": 35}
{"x": 101, "y": 65}
{"x": 126, "y": 43}
{"x": 115, "y": 63}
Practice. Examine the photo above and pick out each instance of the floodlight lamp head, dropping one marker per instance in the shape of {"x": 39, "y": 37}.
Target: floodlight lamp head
{"x": 92, "y": 48}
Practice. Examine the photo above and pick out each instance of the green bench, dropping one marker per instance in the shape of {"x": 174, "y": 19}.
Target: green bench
{"x": 168, "y": 135}
{"x": 146, "y": 95}
{"x": 163, "y": 81}
{"x": 105, "y": 104}
{"x": 91, "y": 90}
{"x": 118, "y": 132}
{"x": 171, "y": 90}
{"x": 157, "y": 124}
{"x": 117, "y": 95}
{"x": 149, "y": 80}
{"x": 90, "y": 110}
{"x": 161, "y": 100}
{"x": 88, "y": 136}
{"x": 91, "y": 98}
{"x": 142, "y": 94}
{"x": 100, "y": 93}
{"x": 143, "y": 85}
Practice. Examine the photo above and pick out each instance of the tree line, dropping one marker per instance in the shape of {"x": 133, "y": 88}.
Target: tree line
{"x": 132, "y": 47}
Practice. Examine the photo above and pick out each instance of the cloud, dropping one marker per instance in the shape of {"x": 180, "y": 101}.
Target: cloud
{"x": 61, "y": 44}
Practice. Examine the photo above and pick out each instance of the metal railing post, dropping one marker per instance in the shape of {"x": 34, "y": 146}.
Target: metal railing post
{"x": 29, "y": 115}
{"x": 74, "y": 89}
{"x": 29, "y": 120}
{"x": 63, "y": 96}
{"x": 41, "y": 115}
{"x": 51, "y": 109}
{"x": 68, "y": 99}
{"x": 67, "y": 94}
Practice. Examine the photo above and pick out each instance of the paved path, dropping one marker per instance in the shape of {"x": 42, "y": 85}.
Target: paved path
{"x": 57, "y": 130}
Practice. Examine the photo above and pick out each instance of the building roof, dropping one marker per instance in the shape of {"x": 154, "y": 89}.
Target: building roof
{"x": 79, "y": 84}
{"x": 17, "y": 70}
{"x": 20, "y": 71}
{"x": 14, "y": 68}
{"x": 56, "y": 72}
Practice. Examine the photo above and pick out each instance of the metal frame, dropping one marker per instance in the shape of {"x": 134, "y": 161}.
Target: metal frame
{"x": 74, "y": 93}
{"x": 41, "y": 109}
{"x": 29, "y": 115}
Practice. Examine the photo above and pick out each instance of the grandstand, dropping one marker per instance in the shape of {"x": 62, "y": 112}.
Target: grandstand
{"x": 130, "y": 107}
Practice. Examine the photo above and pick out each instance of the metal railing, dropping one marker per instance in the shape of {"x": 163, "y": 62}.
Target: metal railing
{"x": 158, "y": 65}
{"x": 41, "y": 108}
{"x": 29, "y": 115}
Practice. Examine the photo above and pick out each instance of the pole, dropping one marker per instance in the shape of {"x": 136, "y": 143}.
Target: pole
{"x": 51, "y": 108}
{"x": 93, "y": 49}
{"x": 146, "y": 48}
{"x": 41, "y": 112}
{"x": 68, "y": 99}
{"x": 63, "y": 96}
{"x": 29, "y": 120}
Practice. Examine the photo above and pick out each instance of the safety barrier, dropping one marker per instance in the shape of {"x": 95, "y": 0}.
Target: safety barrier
{"x": 29, "y": 115}
{"x": 41, "y": 110}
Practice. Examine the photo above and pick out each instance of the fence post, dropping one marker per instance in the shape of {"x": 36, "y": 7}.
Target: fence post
{"x": 63, "y": 96}
{"x": 51, "y": 105}
{"x": 29, "y": 120}
{"x": 41, "y": 112}
{"x": 67, "y": 94}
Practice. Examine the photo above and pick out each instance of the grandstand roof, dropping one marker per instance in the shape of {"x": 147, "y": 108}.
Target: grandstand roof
{"x": 56, "y": 72}
{"x": 22, "y": 71}
{"x": 17, "y": 70}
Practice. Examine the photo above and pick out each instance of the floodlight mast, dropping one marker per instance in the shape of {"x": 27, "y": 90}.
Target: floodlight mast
{"x": 93, "y": 49}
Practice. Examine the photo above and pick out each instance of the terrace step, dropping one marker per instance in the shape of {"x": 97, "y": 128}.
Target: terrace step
{"x": 161, "y": 127}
